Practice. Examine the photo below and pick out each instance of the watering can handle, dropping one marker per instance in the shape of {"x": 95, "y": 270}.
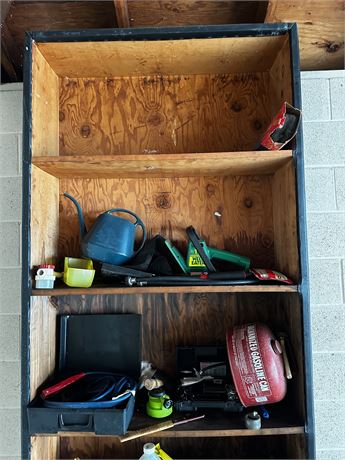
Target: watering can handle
{"x": 138, "y": 221}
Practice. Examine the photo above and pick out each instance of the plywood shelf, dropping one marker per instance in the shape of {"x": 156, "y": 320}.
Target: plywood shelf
{"x": 107, "y": 290}
{"x": 163, "y": 165}
{"x": 215, "y": 424}
{"x": 219, "y": 424}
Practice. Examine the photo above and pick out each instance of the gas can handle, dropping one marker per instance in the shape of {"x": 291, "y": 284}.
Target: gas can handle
{"x": 138, "y": 221}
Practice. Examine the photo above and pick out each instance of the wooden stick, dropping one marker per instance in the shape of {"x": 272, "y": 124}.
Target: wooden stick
{"x": 145, "y": 431}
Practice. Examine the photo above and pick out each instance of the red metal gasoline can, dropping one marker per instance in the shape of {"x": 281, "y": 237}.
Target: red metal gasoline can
{"x": 256, "y": 364}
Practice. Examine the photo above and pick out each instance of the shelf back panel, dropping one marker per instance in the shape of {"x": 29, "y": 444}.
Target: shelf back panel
{"x": 163, "y": 113}
{"x": 231, "y": 212}
{"x": 152, "y": 97}
{"x": 258, "y": 447}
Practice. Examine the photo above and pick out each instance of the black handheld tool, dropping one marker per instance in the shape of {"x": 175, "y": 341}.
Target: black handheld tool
{"x": 119, "y": 270}
{"x": 195, "y": 239}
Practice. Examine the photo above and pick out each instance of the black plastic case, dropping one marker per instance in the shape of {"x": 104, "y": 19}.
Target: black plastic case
{"x": 92, "y": 343}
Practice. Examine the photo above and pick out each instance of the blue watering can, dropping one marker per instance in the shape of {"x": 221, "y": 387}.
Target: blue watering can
{"x": 111, "y": 238}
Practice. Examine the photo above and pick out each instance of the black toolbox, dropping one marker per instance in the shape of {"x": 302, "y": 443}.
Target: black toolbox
{"x": 92, "y": 343}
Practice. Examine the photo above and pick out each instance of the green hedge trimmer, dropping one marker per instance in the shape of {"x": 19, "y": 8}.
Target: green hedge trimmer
{"x": 199, "y": 255}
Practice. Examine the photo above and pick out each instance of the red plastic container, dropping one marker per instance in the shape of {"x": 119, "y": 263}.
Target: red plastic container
{"x": 256, "y": 364}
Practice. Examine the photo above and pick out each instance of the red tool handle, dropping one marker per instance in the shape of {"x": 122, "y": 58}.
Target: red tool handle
{"x": 63, "y": 384}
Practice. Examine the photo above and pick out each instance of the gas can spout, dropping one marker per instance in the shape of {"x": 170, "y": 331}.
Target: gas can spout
{"x": 82, "y": 226}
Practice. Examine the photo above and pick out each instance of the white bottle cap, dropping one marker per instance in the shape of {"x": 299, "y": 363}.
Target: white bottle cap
{"x": 149, "y": 448}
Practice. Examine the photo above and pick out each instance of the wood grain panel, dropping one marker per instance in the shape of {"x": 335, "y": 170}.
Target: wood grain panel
{"x": 281, "y": 79}
{"x": 121, "y": 10}
{"x": 167, "y": 206}
{"x": 320, "y": 29}
{"x": 285, "y": 221}
{"x": 59, "y": 15}
{"x": 163, "y": 114}
{"x": 45, "y": 447}
{"x": 175, "y": 165}
{"x": 160, "y": 13}
{"x": 296, "y": 447}
{"x": 293, "y": 326}
{"x": 260, "y": 447}
{"x": 42, "y": 342}
{"x": 45, "y": 106}
{"x": 165, "y": 57}
{"x": 11, "y": 55}
{"x": 192, "y": 319}
{"x": 44, "y": 217}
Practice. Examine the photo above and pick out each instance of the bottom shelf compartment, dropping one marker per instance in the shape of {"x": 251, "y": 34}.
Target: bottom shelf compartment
{"x": 168, "y": 321}
{"x": 98, "y": 447}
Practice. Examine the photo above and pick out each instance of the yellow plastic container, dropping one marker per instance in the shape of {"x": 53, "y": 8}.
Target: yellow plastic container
{"x": 160, "y": 452}
{"x": 78, "y": 272}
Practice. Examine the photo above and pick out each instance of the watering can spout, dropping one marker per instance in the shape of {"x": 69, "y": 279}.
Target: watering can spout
{"x": 80, "y": 215}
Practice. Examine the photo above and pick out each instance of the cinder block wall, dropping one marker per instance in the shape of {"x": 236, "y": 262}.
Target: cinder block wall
{"x": 10, "y": 260}
{"x": 324, "y": 137}
{"x": 324, "y": 148}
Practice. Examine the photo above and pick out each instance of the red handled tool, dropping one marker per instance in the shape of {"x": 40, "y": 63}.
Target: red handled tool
{"x": 61, "y": 385}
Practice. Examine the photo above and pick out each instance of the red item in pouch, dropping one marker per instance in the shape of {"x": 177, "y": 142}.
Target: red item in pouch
{"x": 283, "y": 128}
{"x": 270, "y": 275}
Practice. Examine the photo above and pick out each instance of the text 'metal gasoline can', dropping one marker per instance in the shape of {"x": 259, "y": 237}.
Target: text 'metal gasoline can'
{"x": 256, "y": 363}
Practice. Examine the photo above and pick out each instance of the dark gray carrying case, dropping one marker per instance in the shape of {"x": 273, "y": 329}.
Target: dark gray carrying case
{"x": 92, "y": 343}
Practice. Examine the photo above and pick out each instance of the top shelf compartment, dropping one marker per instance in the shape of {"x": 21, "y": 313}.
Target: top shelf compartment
{"x": 157, "y": 97}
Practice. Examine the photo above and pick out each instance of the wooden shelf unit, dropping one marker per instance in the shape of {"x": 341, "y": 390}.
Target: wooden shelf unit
{"x": 108, "y": 117}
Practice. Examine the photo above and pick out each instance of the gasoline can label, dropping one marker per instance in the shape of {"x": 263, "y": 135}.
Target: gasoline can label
{"x": 249, "y": 363}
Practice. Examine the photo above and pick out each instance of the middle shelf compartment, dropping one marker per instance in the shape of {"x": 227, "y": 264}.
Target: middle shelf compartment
{"x": 243, "y": 202}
